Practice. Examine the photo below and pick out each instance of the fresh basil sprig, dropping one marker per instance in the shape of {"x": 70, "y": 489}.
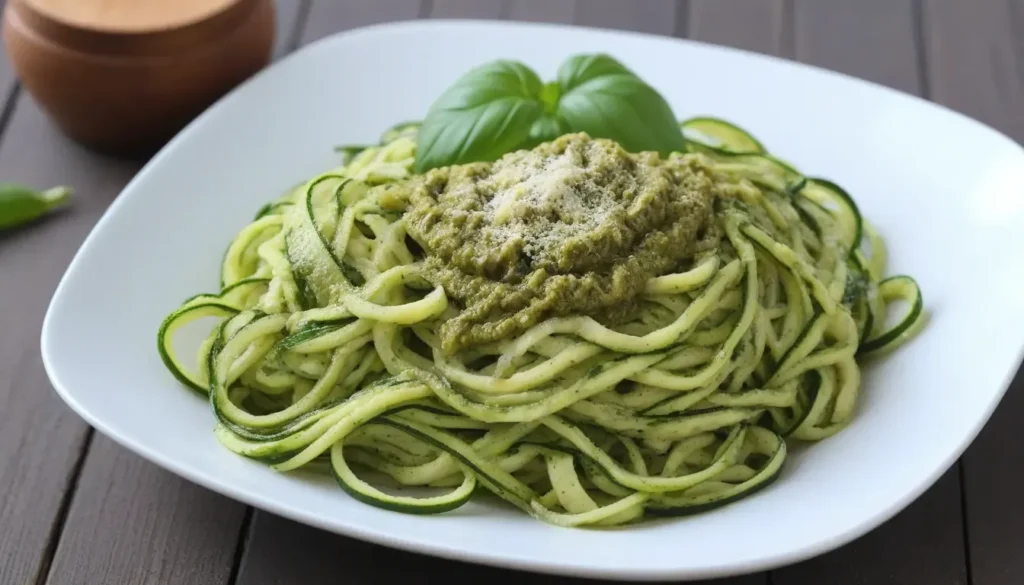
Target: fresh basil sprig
{"x": 503, "y": 106}
{"x": 20, "y": 205}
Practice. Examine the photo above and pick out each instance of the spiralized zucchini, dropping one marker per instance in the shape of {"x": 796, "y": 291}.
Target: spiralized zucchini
{"x": 326, "y": 353}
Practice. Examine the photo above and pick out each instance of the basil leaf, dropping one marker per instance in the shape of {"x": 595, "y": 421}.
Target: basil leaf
{"x": 488, "y": 112}
{"x": 502, "y": 106}
{"x": 544, "y": 129}
{"x": 603, "y": 98}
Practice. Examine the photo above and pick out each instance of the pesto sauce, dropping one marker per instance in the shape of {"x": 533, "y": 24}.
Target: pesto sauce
{"x": 575, "y": 226}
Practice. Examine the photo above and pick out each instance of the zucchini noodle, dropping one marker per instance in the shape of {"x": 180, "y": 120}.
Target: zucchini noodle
{"x": 326, "y": 353}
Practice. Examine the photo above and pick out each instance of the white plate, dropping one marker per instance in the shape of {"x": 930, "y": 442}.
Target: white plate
{"x": 944, "y": 191}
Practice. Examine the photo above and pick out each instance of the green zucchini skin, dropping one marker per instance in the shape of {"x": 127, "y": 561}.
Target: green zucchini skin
{"x": 906, "y": 288}
{"x": 714, "y": 135}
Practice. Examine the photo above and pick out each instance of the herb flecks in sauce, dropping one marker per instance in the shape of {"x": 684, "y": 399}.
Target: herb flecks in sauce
{"x": 574, "y": 226}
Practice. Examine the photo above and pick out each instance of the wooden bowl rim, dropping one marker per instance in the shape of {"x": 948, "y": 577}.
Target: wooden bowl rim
{"x": 30, "y": 20}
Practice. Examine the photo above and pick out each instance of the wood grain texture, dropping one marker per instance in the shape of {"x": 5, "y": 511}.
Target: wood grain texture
{"x": 976, "y": 59}
{"x": 41, "y": 440}
{"x": 282, "y": 552}
{"x": 753, "y": 25}
{"x": 975, "y": 56}
{"x": 559, "y": 11}
{"x": 136, "y": 499}
{"x": 489, "y": 9}
{"x": 290, "y": 18}
{"x": 871, "y": 39}
{"x": 663, "y": 17}
{"x": 134, "y": 540}
{"x": 330, "y": 16}
{"x": 922, "y": 545}
{"x": 7, "y": 76}
{"x": 133, "y": 522}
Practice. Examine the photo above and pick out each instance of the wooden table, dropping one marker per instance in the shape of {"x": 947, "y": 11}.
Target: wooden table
{"x": 77, "y": 509}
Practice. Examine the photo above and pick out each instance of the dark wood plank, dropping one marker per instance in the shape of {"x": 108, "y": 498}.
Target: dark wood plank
{"x": 976, "y": 65}
{"x": 920, "y": 546}
{"x": 663, "y": 17}
{"x": 132, "y": 522}
{"x": 7, "y": 76}
{"x": 41, "y": 441}
{"x": 490, "y": 9}
{"x": 128, "y": 521}
{"x": 744, "y": 24}
{"x": 976, "y": 59}
{"x": 282, "y": 552}
{"x": 290, "y": 17}
{"x": 329, "y": 16}
{"x": 874, "y": 39}
{"x": 48, "y": 443}
{"x": 560, "y": 11}
{"x": 871, "y": 39}
{"x": 993, "y": 484}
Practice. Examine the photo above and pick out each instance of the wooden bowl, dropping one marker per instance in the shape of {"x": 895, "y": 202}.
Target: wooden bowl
{"x": 126, "y": 75}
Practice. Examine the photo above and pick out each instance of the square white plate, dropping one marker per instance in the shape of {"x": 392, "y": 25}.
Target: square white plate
{"x": 944, "y": 191}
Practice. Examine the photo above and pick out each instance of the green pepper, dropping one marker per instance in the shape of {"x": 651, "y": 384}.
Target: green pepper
{"x": 20, "y": 205}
